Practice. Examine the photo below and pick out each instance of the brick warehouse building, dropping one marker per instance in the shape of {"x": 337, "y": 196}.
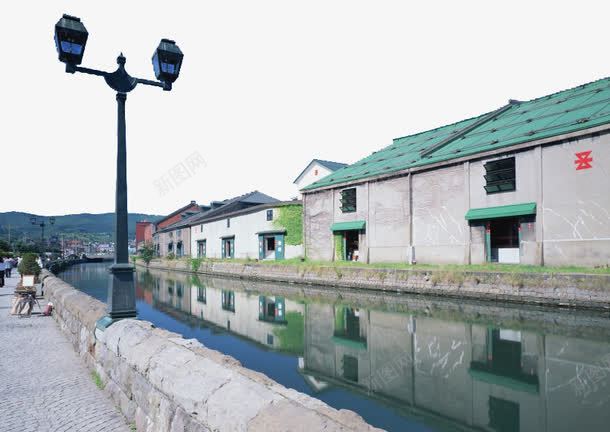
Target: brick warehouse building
{"x": 527, "y": 183}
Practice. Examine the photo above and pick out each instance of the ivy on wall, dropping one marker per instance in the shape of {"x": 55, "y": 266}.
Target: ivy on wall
{"x": 290, "y": 218}
{"x": 339, "y": 252}
{"x": 291, "y": 336}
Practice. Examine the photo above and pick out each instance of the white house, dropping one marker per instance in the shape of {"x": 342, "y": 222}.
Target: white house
{"x": 267, "y": 231}
{"x": 315, "y": 170}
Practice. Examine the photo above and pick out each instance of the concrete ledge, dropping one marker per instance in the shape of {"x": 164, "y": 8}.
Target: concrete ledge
{"x": 590, "y": 291}
{"x": 163, "y": 382}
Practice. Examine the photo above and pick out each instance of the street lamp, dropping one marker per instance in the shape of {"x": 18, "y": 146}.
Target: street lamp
{"x": 42, "y": 223}
{"x": 70, "y": 41}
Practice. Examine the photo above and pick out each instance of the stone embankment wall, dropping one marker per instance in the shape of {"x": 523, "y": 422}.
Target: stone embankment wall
{"x": 572, "y": 290}
{"x": 162, "y": 382}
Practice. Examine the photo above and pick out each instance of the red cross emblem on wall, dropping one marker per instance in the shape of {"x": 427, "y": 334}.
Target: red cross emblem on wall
{"x": 583, "y": 160}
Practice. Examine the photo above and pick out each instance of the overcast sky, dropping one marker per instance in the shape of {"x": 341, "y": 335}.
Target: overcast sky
{"x": 265, "y": 87}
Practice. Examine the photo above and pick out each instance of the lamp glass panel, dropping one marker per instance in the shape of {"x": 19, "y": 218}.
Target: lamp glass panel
{"x": 168, "y": 68}
{"x": 156, "y": 64}
{"x": 71, "y": 48}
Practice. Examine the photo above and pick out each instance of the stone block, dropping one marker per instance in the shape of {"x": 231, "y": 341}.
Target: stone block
{"x": 233, "y": 405}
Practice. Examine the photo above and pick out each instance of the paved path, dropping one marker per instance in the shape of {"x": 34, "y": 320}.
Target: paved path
{"x": 44, "y": 385}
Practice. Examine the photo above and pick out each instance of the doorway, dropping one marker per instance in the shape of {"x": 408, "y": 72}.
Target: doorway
{"x": 504, "y": 240}
{"x": 351, "y": 245}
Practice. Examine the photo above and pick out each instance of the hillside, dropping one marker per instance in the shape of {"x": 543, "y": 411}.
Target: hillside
{"x": 94, "y": 227}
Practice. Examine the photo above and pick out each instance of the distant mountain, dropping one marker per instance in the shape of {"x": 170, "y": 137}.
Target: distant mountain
{"x": 93, "y": 227}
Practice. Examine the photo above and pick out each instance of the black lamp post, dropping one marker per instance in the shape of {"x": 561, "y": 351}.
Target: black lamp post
{"x": 70, "y": 40}
{"x": 42, "y": 223}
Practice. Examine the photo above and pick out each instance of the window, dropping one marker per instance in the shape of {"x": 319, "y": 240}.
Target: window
{"x": 178, "y": 233}
{"x": 201, "y": 228}
{"x": 315, "y": 172}
{"x": 269, "y": 339}
{"x": 201, "y": 294}
{"x": 348, "y": 200}
{"x": 201, "y": 248}
{"x": 350, "y": 368}
{"x": 500, "y": 176}
{"x": 228, "y": 223}
{"x": 269, "y": 215}
{"x": 228, "y": 300}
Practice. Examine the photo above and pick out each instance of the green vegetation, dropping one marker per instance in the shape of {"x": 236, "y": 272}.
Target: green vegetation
{"x": 97, "y": 379}
{"x": 451, "y": 270}
{"x": 290, "y": 218}
{"x": 291, "y": 336}
{"x": 196, "y": 263}
{"x": 85, "y": 226}
{"x": 28, "y": 265}
{"x": 339, "y": 252}
{"x": 170, "y": 256}
{"x": 147, "y": 253}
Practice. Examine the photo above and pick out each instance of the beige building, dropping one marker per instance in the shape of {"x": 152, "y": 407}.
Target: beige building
{"x": 527, "y": 183}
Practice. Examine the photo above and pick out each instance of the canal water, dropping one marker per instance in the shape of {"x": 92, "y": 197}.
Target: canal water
{"x": 404, "y": 363}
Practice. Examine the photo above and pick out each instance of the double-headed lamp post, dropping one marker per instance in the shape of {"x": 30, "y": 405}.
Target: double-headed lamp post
{"x": 42, "y": 223}
{"x": 70, "y": 40}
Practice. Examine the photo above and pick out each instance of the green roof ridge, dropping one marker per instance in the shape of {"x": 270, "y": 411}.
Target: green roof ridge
{"x": 585, "y": 106}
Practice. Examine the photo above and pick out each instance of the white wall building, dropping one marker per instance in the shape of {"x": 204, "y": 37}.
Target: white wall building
{"x": 315, "y": 170}
{"x": 250, "y": 233}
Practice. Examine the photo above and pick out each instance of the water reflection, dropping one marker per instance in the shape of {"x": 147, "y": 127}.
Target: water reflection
{"x": 402, "y": 362}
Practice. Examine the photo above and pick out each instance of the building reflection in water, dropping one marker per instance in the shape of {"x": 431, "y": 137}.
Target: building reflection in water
{"x": 490, "y": 368}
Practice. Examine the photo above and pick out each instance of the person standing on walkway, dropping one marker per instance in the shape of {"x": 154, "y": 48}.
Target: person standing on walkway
{"x": 8, "y": 263}
{"x": 2, "y": 268}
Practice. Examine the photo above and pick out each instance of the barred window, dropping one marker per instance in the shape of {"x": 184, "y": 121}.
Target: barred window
{"x": 500, "y": 176}
{"x": 348, "y": 200}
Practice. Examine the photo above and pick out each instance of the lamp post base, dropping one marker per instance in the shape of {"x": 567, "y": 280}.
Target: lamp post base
{"x": 122, "y": 292}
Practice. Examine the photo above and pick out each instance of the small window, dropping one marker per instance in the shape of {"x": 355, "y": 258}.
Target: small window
{"x": 269, "y": 215}
{"x": 315, "y": 172}
{"x": 228, "y": 223}
{"x": 201, "y": 228}
{"x": 348, "y": 200}
{"x": 201, "y": 294}
{"x": 500, "y": 176}
{"x": 179, "y": 233}
{"x": 269, "y": 339}
{"x": 228, "y": 300}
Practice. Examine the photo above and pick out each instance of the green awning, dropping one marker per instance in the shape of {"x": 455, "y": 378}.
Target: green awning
{"x": 350, "y": 343}
{"x": 345, "y": 226}
{"x": 501, "y": 211}
{"x": 504, "y": 381}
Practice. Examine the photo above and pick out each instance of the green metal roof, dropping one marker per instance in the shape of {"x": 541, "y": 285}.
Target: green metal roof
{"x": 504, "y": 381}
{"x": 345, "y": 226}
{"x": 501, "y": 211}
{"x": 567, "y": 111}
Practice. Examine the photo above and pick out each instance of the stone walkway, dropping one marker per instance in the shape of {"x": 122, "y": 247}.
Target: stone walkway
{"x": 44, "y": 385}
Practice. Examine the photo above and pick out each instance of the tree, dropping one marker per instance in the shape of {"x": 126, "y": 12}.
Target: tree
{"x": 147, "y": 252}
{"x": 28, "y": 265}
{"x": 4, "y": 246}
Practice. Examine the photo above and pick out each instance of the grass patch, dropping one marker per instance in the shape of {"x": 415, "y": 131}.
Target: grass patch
{"x": 447, "y": 268}
{"x": 97, "y": 379}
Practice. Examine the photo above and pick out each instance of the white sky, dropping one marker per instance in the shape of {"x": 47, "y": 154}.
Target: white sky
{"x": 265, "y": 87}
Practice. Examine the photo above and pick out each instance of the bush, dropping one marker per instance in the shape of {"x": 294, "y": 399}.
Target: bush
{"x": 170, "y": 256}
{"x": 28, "y": 265}
{"x": 147, "y": 253}
{"x": 196, "y": 263}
